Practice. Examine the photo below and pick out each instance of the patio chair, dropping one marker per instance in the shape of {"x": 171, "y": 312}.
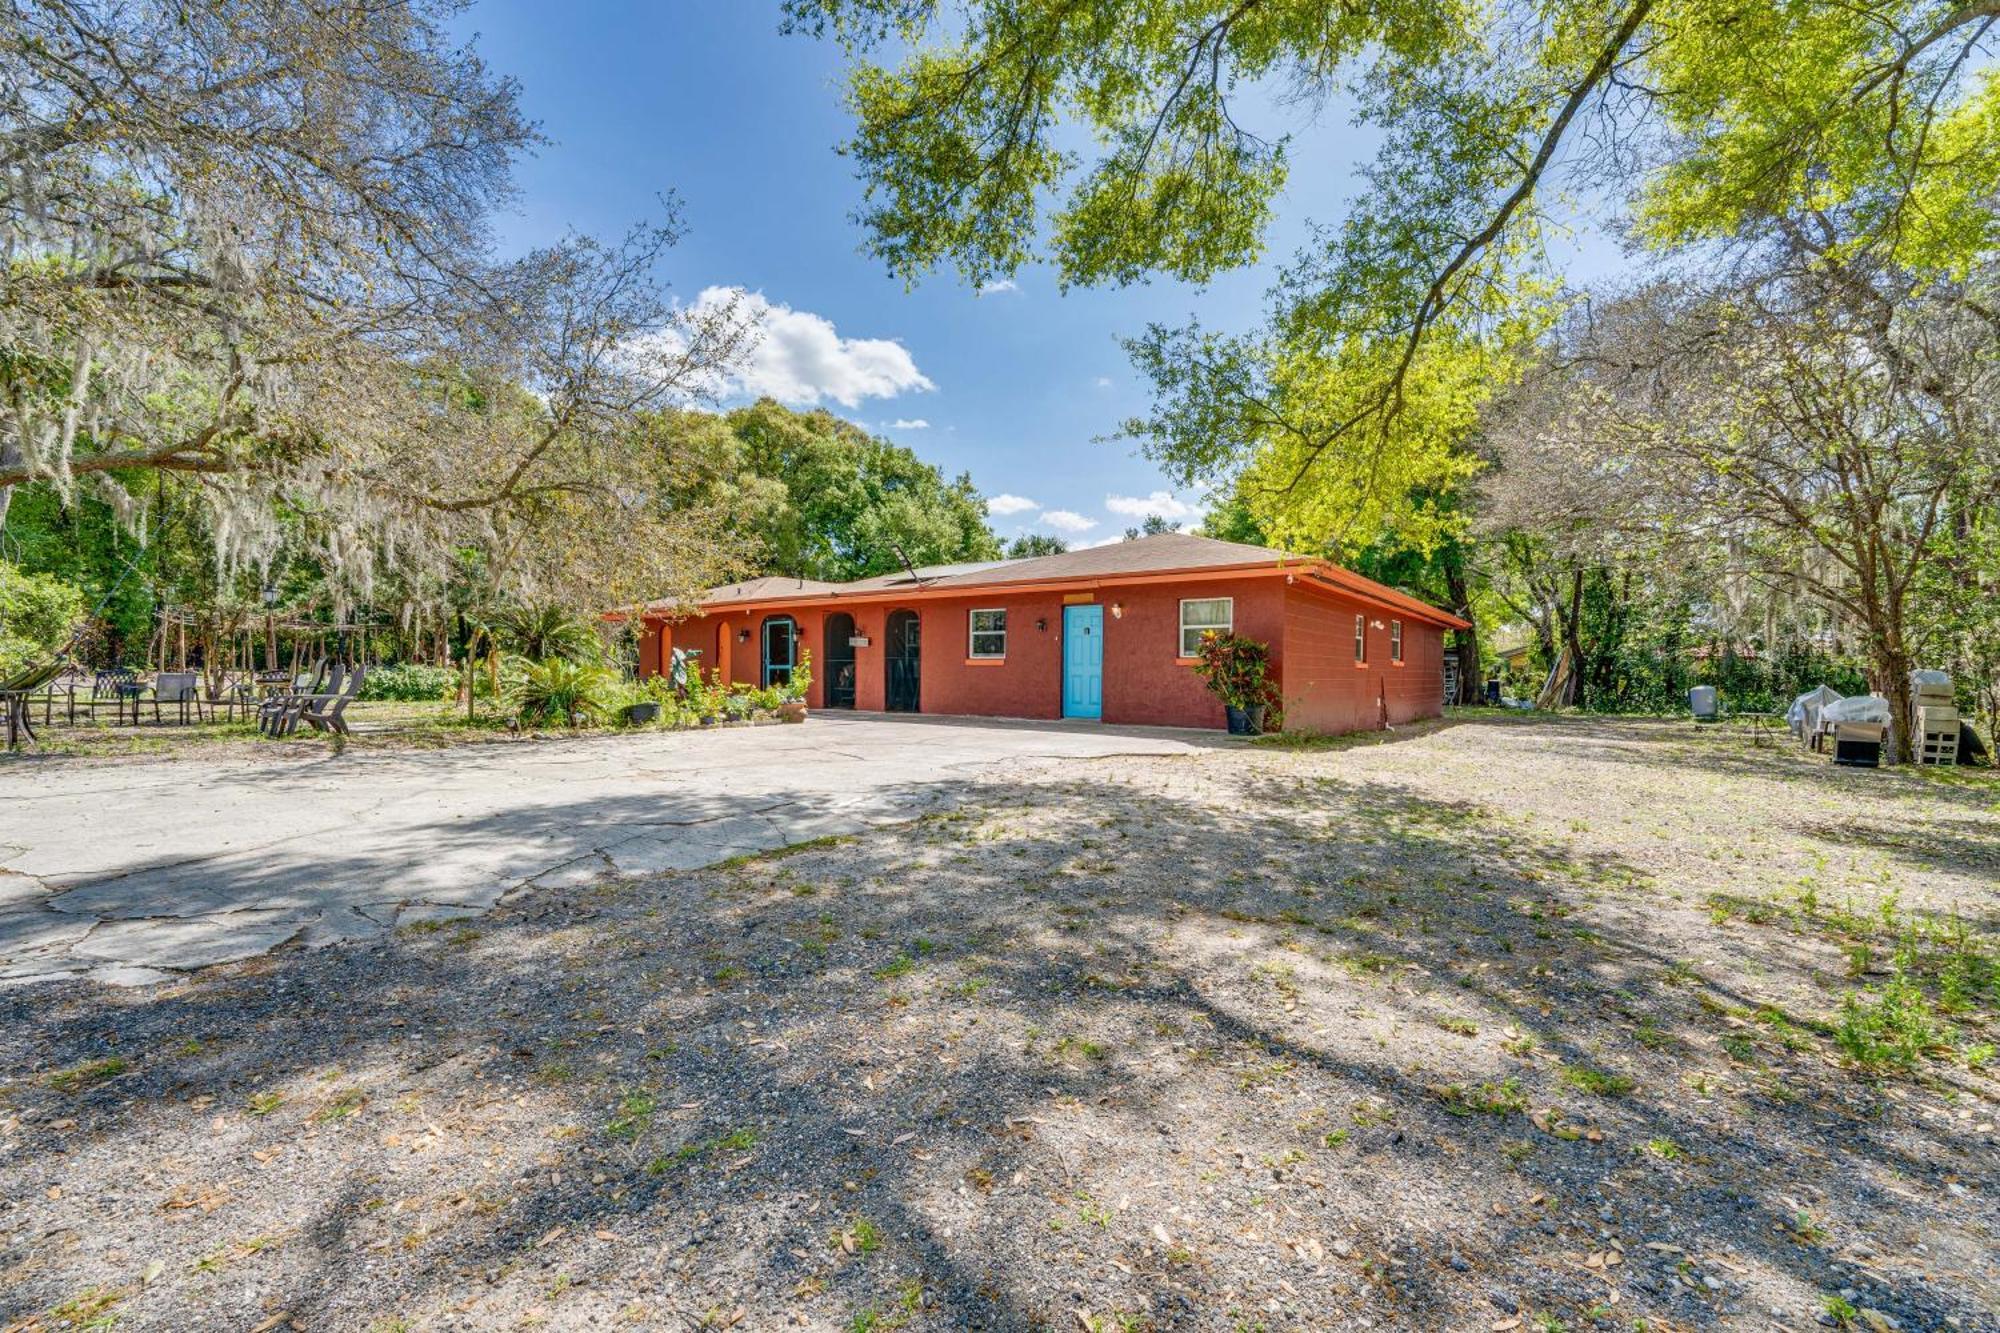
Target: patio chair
{"x": 181, "y": 688}
{"x": 15, "y": 694}
{"x": 116, "y": 686}
{"x": 323, "y": 712}
{"x": 279, "y": 714}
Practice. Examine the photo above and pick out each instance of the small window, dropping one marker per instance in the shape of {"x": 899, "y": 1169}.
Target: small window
{"x": 989, "y": 634}
{"x": 1200, "y": 616}
{"x": 1360, "y": 640}
{"x": 1395, "y": 641}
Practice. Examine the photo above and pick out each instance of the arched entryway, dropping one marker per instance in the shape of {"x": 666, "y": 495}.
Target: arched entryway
{"x": 837, "y": 660}
{"x": 902, "y": 656}
{"x": 781, "y": 650}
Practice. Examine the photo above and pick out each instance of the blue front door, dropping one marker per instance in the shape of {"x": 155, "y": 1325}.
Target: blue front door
{"x": 1083, "y": 661}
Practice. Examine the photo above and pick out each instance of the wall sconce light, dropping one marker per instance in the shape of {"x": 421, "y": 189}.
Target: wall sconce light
{"x": 1042, "y": 624}
{"x": 1378, "y": 624}
{"x": 743, "y": 636}
{"x": 1118, "y": 610}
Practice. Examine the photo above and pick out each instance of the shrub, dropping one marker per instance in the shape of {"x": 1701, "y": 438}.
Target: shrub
{"x": 38, "y": 614}
{"x": 410, "y": 683}
{"x": 560, "y": 692}
{"x": 1237, "y": 670}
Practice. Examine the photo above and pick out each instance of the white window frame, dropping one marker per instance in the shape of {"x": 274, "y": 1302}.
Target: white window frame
{"x": 1361, "y": 640}
{"x": 1396, "y": 641}
{"x": 972, "y": 633}
{"x": 1228, "y": 626}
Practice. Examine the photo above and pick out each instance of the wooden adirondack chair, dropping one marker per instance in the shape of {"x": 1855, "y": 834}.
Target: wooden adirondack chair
{"x": 279, "y": 714}
{"x": 323, "y": 712}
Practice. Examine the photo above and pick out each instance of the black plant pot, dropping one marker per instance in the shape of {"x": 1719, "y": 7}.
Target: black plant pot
{"x": 1256, "y": 716}
{"x": 647, "y": 712}
{"x": 1239, "y": 721}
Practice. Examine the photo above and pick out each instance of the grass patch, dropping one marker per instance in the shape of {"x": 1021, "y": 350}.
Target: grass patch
{"x": 78, "y": 1078}
{"x": 1596, "y": 1082}
{"x": 1503, "y": 1098}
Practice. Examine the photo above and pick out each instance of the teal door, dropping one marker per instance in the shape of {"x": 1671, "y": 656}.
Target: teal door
{"x": 1083, "y": 661}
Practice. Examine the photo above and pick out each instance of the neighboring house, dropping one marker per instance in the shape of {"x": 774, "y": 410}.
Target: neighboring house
{"x": 1106, "y": 633}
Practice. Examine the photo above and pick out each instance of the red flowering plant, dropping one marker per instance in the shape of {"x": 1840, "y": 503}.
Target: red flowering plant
{"x": 1237, "y": 670}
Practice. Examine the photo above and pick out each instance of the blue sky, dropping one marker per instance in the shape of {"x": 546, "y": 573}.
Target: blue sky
{"x": 710, "y": 102}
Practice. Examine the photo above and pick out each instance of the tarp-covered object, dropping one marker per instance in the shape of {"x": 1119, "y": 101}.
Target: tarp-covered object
{"x": 1803, "y": 715}
{"x": 1703, "y": 703}
{"x": 1859, "y": 708}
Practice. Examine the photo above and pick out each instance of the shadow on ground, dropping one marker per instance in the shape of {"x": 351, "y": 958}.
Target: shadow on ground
{"x": 1264, "y": 1045}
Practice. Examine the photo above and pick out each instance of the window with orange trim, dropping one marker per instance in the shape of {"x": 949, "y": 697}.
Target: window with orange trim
{"x": 1396, "y": 641}
{"x": 1360, "y": 640}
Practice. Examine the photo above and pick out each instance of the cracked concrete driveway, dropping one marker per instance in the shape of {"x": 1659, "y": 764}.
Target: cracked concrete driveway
{"x": 117, "y": 871}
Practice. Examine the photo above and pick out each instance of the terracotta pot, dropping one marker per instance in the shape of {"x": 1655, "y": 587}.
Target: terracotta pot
{"x": 793, "y": 710}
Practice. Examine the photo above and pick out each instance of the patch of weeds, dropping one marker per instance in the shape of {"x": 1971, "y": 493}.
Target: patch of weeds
{"x": 1806, "y": 1230}
{"x": 1841, "y": 1311}
{"x": 264, "y": 1103}
{"x": 727, "y": 973}
{"x": 344, "y": 1104}
{"x": 554, "y": 1074}
{"x": 1892, "y": 1028}
{"x": 859, "y": 1237}
{"x": 1504, "y": 1098}
{"x": 1521, "y": 1045}
{"x": 1090, "y": 1050}
{"x": 88, "y": 1309}
{"x": 899, "y": 966}
{"x": 634, "y": 1114}
{"x": 1651, "y": 1035}
{"x": 1663, "y": 1148}
{"x": 1336, "y": 1138}
{"x": 78, "y": 1078}
{"x": 1517, "y": 1152}
{"x": 1597, "y": 1082}
{"x": 1463, "y": 1027}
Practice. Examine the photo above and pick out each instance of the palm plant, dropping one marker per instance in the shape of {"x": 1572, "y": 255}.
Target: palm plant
{"x": 559, "y": 690}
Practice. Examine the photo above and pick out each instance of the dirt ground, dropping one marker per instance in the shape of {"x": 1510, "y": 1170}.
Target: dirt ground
{"x": 1502, "y": 1025}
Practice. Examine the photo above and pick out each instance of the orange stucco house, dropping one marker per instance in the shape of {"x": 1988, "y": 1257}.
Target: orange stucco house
{"x": 1106, "y": 633}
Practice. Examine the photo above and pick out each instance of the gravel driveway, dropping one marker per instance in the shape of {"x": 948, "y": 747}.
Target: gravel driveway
{"x": 124, "y": 868}
{"x": 1539, "y": 1026}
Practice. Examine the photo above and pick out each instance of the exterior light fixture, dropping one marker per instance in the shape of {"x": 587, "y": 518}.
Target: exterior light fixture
{"x": 270, "y": 594}
{"x": 743, "y": 636}
{"x": 1042, "y": 624}
{"x": 1378, "y": 624}
{"x": 1118, "y": 610}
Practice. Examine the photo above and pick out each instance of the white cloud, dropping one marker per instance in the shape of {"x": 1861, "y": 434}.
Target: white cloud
{"x": 998, "y": 286}
{"x": 917, "y": 423}
{"x": 1064, "y": 520}
{"x": 1103, "y": 381}
{"x": 1012, "y": 504}
{"x": 799, "y": 358}
{"x": 1143, "y": 506}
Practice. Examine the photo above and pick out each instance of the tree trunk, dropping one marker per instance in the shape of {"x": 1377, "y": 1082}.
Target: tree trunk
{"x": 1470, "y": 677}
{"x": 1572, "y": 691}
{"x": 10, "y": 457}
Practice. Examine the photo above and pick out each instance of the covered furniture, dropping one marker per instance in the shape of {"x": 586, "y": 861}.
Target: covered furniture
{"x": 1803, "y": 715}
{"x": 1704, "y": 704}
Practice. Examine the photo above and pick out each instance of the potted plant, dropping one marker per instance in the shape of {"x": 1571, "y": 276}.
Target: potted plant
{"x": 1237, "y": 671}
{"x": 792, "y": 705}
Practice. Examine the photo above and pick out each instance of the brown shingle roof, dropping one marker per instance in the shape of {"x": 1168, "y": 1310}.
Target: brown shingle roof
{"x": 1162, "y": 553}
{"x": 1156, "y": 554}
